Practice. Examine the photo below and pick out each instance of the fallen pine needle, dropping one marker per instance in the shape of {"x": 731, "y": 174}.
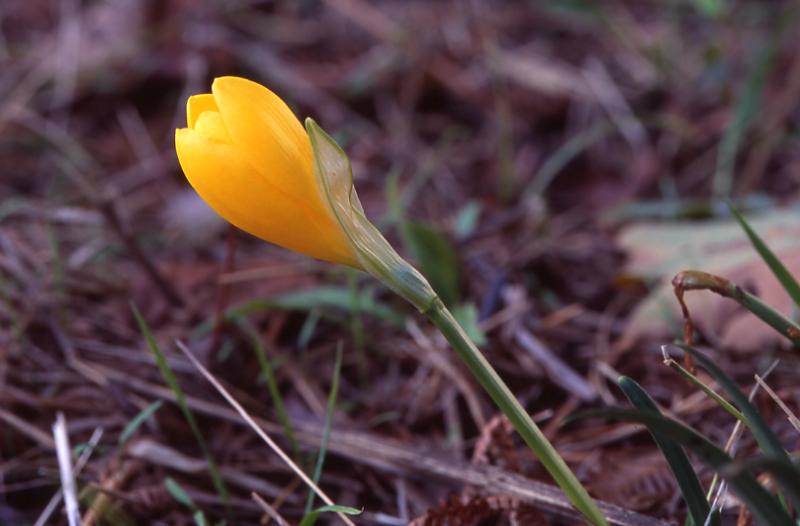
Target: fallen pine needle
{"x": 791, "y": 416}
{"x": 260, "y": 432}
{"x": 64, "y": 454}
{"x": 269, "y": 510}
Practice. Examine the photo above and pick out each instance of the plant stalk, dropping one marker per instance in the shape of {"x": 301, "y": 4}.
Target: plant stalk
{"x": 520, "y": 419}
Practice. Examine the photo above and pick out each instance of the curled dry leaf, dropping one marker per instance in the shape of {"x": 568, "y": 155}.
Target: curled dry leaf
{"x": 658, "y": 251}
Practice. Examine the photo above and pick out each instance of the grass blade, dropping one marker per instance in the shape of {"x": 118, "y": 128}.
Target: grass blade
{"x": 565, "y": 154}
{"x": 766, "y": 439}
{"x": 786, "y": 279}
{"x": 762, "y": 504}
{"x": 323, "y": 297}
{"x": 786, "y": 474}
{"x": 178, "y": 493}
{"x": 199, "y": 518}
{"x": 311, "y": 517}
{"x": 744, "y": 116}
{"x": 679, "y": 463}
{"x": 138, "y": 420}
{"x": 724, "y": 404}
{"x": 180, "y": 399}
{"x": 326, "y": 431}
{"x": 268, "y": 374}
{"x": 306, "y": 332}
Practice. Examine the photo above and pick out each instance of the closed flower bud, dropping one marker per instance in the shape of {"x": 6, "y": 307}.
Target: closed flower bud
{"x": 251, "y": 160}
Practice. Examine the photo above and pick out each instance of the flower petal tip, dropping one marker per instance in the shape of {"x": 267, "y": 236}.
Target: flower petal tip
{"x": 196, "y": 105}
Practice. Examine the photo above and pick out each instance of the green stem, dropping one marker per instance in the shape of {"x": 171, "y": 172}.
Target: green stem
{"x": 377, "y": 257}
{"x": 507, "y": 402}
{"x": 724, "y": 404}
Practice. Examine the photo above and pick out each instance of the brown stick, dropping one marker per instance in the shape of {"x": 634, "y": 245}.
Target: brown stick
{"x": 388, "y": 455}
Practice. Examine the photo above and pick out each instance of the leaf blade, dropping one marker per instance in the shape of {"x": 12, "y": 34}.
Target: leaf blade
{"x": 180, "y": 399}
{"x": 138, "y": 420}
{"x": 782, "y": 274}
{"x": 690, "y": 486}
{"x": 767, "y": 440}
{"x": 763, "y": 505}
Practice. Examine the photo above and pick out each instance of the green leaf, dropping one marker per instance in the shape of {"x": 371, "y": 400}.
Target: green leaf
{"x": 307, "y": 330}
{"x": 565, "y": 154}
{"x": 199, "y": 518}
{"x": 762, "y": 504}
{"x": 310, "y": 518}
{"x": 334, "y": 176}
{"x": 466, "y": 314}
{"x": 326, "y": 431}
{"x": 138, "y": 420}
{"x": 745, "y": 114}
{"x": 783, "y": 275}
{"x": 178, "y": 493}
{"x": 467, "y": 219}
{"x": 679, "y": 463}
{"x": 766, "y": 439}
{"x": 436, "y": 256}
{"x": 437, "y": 259}
{"x": 78, "y": 449}
{"x": 724, "y": 404}
{"x": 319, "y": 298}
{"x": 787, "y": 474}
{"x": 180, "y": 399}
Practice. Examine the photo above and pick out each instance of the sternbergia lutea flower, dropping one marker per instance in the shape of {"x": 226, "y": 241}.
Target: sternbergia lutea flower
{"x": 249, "y": 157}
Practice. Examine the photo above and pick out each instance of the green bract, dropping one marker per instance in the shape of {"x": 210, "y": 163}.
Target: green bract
{"x": 335, "y": 178}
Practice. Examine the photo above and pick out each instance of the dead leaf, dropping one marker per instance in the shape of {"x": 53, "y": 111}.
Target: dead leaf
{"x": 658, "y": 251}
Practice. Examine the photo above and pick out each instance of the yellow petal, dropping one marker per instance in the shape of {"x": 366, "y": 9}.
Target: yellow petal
{"x": 227, "y": 181}
{"x": 266, "y": 131}
{"x": 196, "y": 105}
{"x": 211, "y": 126}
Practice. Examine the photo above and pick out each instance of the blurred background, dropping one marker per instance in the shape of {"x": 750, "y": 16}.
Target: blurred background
{"x": 549, "y": 165}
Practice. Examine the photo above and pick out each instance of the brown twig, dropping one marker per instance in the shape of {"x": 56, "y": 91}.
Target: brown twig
{"x": 394, "y": 457}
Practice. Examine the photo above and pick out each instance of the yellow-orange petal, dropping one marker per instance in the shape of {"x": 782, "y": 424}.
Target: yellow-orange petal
{"x": 197, "y": 105}
{"x": 211, "y": 126}
{"x": 266, "y": 131}
{"x": 228, "y": 183}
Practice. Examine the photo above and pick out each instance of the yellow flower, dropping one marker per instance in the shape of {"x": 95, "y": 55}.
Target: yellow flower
{"x": 251, "y": 160}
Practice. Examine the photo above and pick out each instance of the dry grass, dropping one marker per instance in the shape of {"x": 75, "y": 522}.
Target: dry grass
{"x": 546, "y": 118}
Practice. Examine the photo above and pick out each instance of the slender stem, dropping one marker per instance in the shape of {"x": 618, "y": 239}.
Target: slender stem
{"x": 724, "y": 404}
{"x": 507, "y": 402}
